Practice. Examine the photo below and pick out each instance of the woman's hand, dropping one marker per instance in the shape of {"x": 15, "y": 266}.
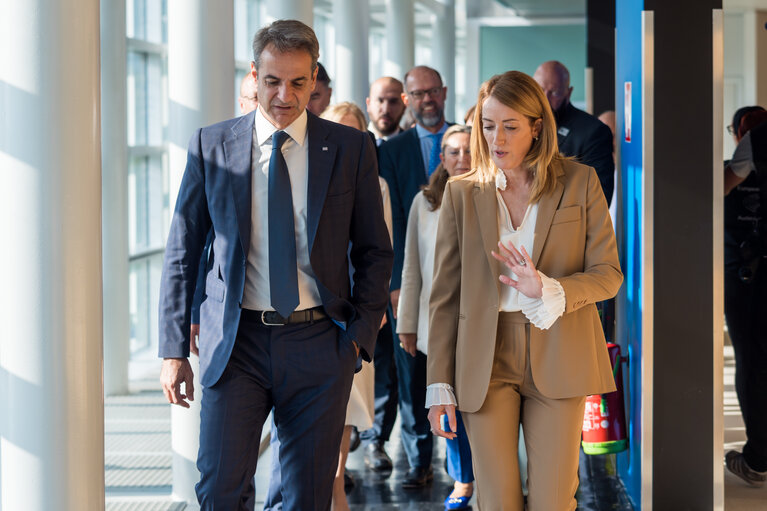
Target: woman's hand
{"x": 528, "y": 281}
{"x": 435, "y": 413}
{"x": 408, "y": 343}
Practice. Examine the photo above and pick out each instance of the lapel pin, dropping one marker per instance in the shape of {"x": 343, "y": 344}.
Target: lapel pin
{"x": 324, "y": 148}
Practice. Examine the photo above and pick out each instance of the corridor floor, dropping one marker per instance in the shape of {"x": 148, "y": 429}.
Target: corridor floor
{"x": 138, "y": 463}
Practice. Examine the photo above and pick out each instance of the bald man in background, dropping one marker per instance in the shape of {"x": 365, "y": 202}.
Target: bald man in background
{"x": 248, "y": 89}
{"x": 385, "y": 108}
{"x": 579, "y": 134}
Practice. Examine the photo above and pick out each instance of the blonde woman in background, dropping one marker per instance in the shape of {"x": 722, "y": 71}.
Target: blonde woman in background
{"x": 417, "y": 270}
{"x": 361, "y": 408}
{"x": 525, "y": 248}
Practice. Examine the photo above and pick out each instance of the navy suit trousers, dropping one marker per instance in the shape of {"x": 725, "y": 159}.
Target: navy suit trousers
{"x": 305, "y": 372}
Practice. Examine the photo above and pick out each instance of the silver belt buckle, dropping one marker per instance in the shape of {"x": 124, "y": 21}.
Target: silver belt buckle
{"x": 263, "y": 319}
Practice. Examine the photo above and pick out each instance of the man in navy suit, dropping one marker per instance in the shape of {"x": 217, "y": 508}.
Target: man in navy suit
{"x": 406, "y": 161}
{"x": 285, "y": 194}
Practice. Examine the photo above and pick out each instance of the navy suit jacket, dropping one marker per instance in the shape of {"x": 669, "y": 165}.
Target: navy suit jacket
{"x": 401, "y": 165}
{"x": 590, "y": 142}
{"x": 343, "y": 206}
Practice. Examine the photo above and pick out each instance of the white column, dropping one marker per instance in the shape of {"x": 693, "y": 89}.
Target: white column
{"x": 51, "y": 394}
{"x": 400, "y": 38}
{"x": 114, "y": 192}
{"x": 200, "y": 92}
{"x": 301, "y": 10}
{"x": 351, "y": 19}
{"x": 443, "y": 52}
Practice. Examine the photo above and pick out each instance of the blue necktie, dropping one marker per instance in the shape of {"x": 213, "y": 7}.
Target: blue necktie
{"x": 283, "y": 268}
{"x": 435, "y": 150}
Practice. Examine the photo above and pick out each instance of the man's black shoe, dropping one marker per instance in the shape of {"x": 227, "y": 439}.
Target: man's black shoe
{"x": 418, "y": 477}
{"x": 348, "y": 481}
{"x": 376, "y": 457}
{"x": 354, "y": 439}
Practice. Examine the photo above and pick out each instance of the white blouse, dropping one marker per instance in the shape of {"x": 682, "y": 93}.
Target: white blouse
{"x": 542, "y": 312}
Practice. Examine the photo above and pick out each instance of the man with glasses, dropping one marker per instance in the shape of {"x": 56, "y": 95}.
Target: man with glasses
{"x": 579, "y": 134}
{"x": 406, "y": 161}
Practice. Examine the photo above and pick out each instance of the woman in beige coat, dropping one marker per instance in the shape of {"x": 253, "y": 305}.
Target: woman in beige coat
{"x": 525, "y": 248}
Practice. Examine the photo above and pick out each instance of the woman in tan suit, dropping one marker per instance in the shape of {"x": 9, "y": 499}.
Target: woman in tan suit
{"x": 525, "y": 248}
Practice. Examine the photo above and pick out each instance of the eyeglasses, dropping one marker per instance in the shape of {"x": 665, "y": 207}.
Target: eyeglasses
{"x": 250, "y": 98}
{"x": 420, "y": 94}
{"x": 730, "y": 129}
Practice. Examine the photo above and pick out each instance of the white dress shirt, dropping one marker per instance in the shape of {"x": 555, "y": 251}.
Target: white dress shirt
{"x": 542, "y": 312}
{"x": 295, "y": 150}
{"x": 742, "y": 162}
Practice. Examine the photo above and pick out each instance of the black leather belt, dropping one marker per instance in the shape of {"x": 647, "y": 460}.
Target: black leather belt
{"x": 272, "y": 318}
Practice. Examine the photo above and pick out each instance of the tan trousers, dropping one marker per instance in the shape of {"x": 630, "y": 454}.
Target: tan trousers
{"x": 552, "y": 432}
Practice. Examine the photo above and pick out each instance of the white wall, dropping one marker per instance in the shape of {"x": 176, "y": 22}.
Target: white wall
{"x": 745, "y": 59}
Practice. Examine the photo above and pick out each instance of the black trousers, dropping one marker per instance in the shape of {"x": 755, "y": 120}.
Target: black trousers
{"x": 745, "y": 307}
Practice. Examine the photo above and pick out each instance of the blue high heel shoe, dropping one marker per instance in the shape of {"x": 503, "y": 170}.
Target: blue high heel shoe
{"x": 452, "y": 503}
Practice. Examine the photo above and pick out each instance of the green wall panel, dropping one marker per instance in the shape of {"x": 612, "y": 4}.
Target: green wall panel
{"x": 524, "y": 48}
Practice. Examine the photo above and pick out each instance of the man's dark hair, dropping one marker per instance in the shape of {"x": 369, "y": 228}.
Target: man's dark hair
{"x": 322, "y": 75}
{"x": 740, "y": 113}
{"x": 286, "y": 36}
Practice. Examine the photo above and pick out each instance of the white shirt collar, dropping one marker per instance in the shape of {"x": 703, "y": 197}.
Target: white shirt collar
{"x": 265, "y": 129}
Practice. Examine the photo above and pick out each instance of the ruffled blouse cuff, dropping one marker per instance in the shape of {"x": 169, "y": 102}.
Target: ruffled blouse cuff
{"x": 440, "y": 394}
{"x": 544, "y": 311}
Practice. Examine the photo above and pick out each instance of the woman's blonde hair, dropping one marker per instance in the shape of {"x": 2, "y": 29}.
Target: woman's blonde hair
{"x": 519, "y": 92}
{"x": 340, "y": 110}
{"x": 436, "y": 188}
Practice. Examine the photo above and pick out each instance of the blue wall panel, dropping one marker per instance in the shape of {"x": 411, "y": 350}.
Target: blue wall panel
{"x": 628, "y": 68}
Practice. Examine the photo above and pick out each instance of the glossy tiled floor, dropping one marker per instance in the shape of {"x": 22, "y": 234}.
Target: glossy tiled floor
{"x": 600, "y": 489}
{"x": 138, "y": 462}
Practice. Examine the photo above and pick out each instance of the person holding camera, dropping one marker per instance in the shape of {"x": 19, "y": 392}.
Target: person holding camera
{"x": 745, "y": 286}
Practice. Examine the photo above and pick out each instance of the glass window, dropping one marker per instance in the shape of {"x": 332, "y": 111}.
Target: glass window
{"x": 148, "y": 200}
{"x": 248, "y": 16}
{"x": 377, "y": 45}
{"x": 145, "y": 99}
{"x": 326, "y": 36}
{"x": 146, "y": 20}
{"x": 144, "y": 302}
{"x": 148, "y": 177}
{"x": 247, "y": 21}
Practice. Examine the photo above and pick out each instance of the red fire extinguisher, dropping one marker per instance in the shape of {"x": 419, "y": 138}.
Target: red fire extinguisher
{"x": 604, "y": 421}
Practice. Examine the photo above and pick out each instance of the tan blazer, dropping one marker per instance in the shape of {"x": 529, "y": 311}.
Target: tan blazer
{"x": 574, "y": 243}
